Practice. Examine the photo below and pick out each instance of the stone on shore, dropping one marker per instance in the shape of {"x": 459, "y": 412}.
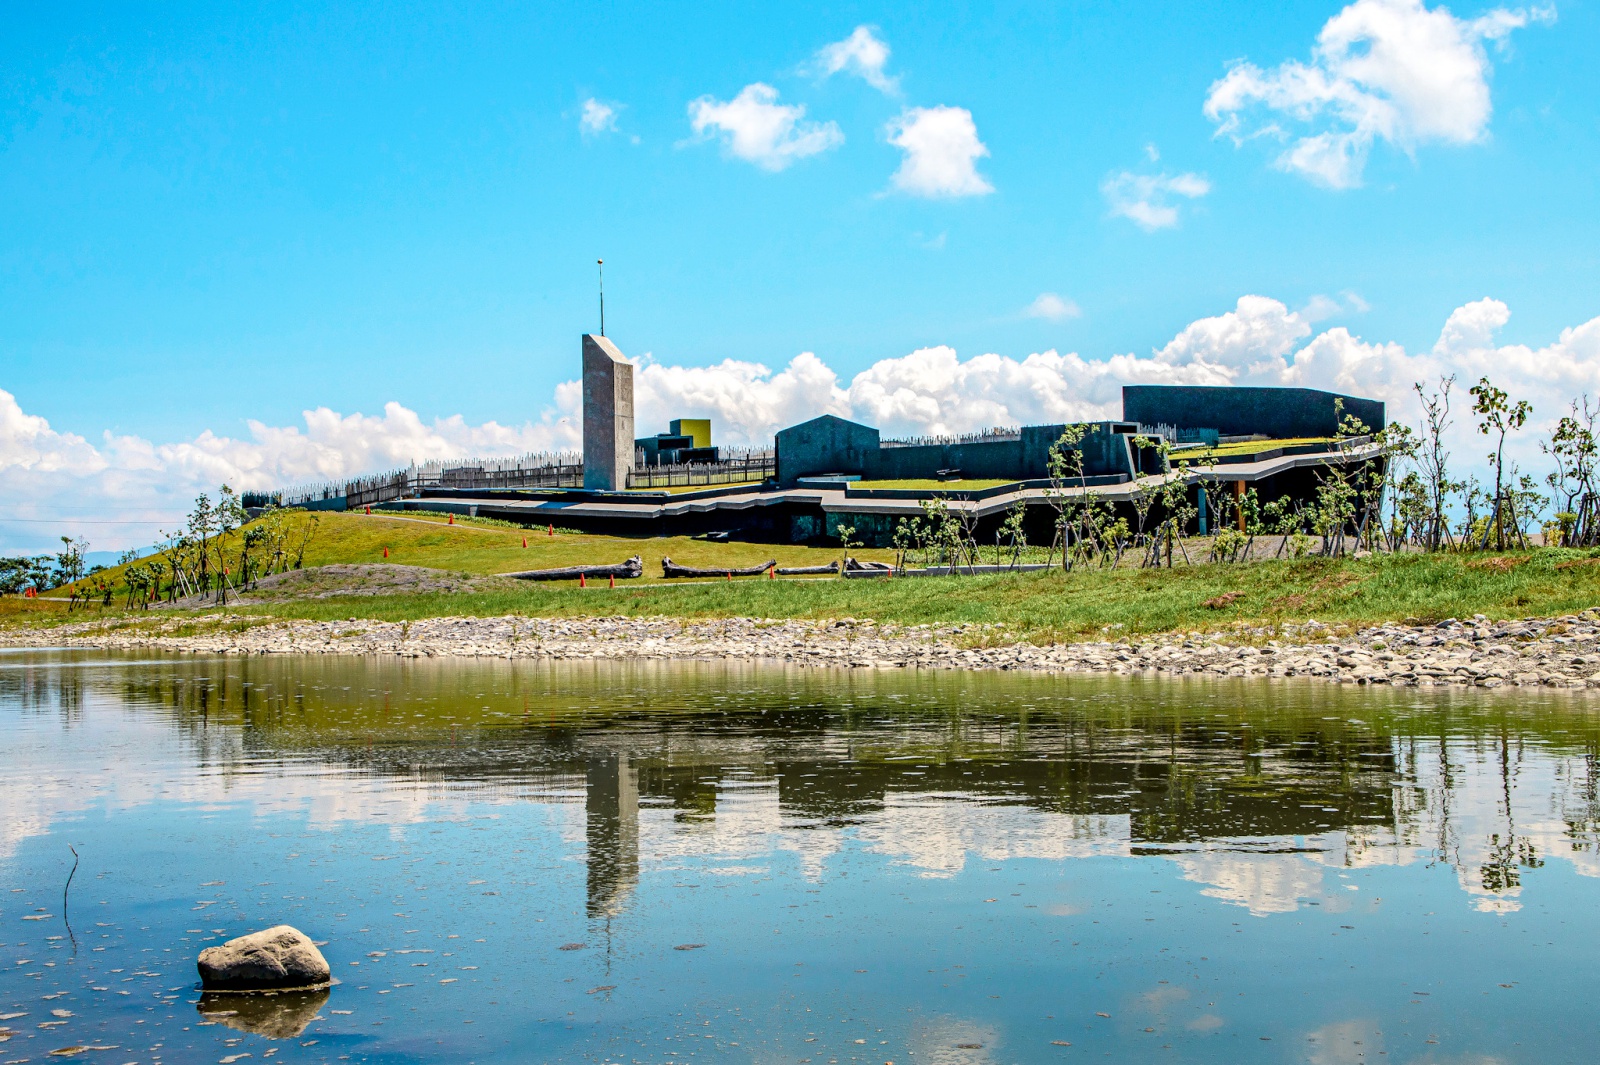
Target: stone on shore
{"x": 275, "y": 959}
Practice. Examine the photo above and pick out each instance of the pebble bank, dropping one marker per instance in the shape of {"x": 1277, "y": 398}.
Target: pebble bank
{"x": 1560, "y": 652}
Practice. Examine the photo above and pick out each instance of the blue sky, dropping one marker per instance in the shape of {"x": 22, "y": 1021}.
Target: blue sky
{"x": 219, "y": 216}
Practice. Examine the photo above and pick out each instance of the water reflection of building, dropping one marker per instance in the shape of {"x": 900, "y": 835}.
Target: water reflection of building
{"x": 612, "y": 801}
{"x": 1255, "y": 801}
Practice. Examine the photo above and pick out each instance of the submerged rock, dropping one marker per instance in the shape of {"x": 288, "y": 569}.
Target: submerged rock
{"x": 275, "y": 959}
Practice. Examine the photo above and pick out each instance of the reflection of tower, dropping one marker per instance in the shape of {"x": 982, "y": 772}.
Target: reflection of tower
{"x": 613, "y": 808}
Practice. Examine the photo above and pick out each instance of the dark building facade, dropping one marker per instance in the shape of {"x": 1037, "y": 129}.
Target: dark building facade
{"x": 1280, "y": 413}
{"x": 833, "y": 445}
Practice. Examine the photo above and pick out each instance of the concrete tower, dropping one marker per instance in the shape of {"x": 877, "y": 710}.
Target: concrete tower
{"x": 607, "y": 415}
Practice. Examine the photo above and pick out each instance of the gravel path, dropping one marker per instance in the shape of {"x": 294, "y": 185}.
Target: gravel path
{"x": 1554, "y": 652}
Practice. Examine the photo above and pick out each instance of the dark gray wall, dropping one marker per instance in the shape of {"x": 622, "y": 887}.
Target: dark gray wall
{"x": 824, "y": 445}
{"x": 1275, "y": 412}
{"x": 834, "y": 445}
{"x": 993, "y": 458}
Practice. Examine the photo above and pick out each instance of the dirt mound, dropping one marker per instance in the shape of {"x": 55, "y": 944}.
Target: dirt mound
{"x": 322, "y": 582}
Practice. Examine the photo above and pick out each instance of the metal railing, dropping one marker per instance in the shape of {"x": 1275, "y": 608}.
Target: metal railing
{"x": 997, "y": 434}
{"x": 560, "y": 471}
{"x": 753, "y": 467}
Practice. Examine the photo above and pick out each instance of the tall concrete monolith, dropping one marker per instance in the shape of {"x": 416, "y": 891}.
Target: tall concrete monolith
{"x": 607, "y": 415}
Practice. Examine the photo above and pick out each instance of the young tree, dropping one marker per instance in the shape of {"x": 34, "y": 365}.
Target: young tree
{"x": 69, "y": 562}
{"x": 845, "y": 533}
{"x": 1497, "y": 417}
{"x": 1434, "y": 462}
{"x": 1012, "y": 530}
{"x": 1064, "y": 463}
{"x": 1574, "y": 447}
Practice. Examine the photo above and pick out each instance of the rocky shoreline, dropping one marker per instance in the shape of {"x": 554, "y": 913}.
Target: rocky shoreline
{"x": 1561, "y": 652}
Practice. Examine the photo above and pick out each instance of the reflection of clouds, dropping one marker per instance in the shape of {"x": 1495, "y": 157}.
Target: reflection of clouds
{"x": 952, "y": 1041}
{"x": 53, "y": 775}
{"x": 1158, "y": 999}
{"x": 1493, "y": 809}
{"x": 1262, "y": 883}
{"x": 1344, "y": 1043}
{"x": 748, "y": 828}
{"x": 938, "y": 835}
{"x": 1501, "y": 816}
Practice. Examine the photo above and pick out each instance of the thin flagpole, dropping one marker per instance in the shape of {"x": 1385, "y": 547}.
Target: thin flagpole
{"x": 601, "y": 263}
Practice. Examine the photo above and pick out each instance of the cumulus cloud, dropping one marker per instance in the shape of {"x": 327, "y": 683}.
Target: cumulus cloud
{"x": 1053, "y": 307}
{"x": 597, "y": 117}
{"x": 121, "y": 490}
{"x": 1147, "y": 199}
{"x": 863, "y": 54}
{"x": 941, "y": 149}
{"x": 746, "y": 401}
{"x": 1259, "y": 341}
{"x": 755, "y": 127}
{"x": 1390, "y": 70}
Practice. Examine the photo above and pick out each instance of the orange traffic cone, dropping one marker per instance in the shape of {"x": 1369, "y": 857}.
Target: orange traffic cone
{"x": 613, "y": 580}
{"x": 552, "y": 530}
{"x": 730, "y": 578}
{"x": 772, "y": 573}
{"x": 452, "y": 520}
{"x": 369, "y": 510}
{"x": 386, "y": 552}
{"x": 581, "y": 582}
{"x": 524, "y": 541}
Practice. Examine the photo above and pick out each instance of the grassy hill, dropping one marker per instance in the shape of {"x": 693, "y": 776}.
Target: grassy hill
{"x": 1047, "y": 606}
{"x": 483, "y": 547}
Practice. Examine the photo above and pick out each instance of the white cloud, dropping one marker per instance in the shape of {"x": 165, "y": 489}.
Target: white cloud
{"x": 49, "y": 477}
{"x": 598, "y": 117}
{"x": 746, "y": 401}
{"x": 1260, "y": 341}
{"x": 1390, "y": 70}
{"x": 1147, "y": 198}
{"x": 1053, "y": 307}
{"x": 942, "y": 150}
{"x": 862, "y": 54}
{"x": 756, "y": 128}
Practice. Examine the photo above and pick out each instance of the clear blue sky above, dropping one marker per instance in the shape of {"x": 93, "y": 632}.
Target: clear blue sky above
{"x": 216, "y": 213}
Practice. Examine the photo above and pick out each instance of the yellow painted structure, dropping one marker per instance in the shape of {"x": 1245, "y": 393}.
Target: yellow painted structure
{"x": 697, "y": 428}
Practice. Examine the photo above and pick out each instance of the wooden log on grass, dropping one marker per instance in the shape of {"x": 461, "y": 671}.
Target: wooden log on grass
{"x": 670, "y": 569}
{"x": 634, "y": 567}
{"x": 807, "y": 571}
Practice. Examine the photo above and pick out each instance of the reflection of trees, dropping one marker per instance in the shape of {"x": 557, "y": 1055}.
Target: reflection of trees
{"x": 1502, "y": 870}
{"x": 1181, "y": 764}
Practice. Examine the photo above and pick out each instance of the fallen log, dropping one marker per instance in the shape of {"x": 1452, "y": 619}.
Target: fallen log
{"x": 670, "y": 569}
{"x": 804, "y": 571}
{"x": 634, "y": 567}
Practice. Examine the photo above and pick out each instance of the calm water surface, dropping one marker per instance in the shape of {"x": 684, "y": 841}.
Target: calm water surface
{"x": 699, "y": 862}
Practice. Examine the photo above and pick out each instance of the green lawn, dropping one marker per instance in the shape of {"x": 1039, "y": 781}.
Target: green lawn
{"x": 1055, "y": 605}
{"x": 482, "y": 546}
{"x": 1250, "y": 447}
{"x": 1044, "y": 606}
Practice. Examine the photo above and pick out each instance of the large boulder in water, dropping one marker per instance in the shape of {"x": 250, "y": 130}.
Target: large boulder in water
{"x": 276, "y": 958}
